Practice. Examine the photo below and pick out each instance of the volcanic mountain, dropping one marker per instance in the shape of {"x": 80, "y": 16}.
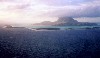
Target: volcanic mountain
{"x": 65, "y": 21}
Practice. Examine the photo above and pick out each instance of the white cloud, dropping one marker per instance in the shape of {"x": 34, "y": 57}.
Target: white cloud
{"x": 39, "y": 10}
{"x": 89, "y": 9}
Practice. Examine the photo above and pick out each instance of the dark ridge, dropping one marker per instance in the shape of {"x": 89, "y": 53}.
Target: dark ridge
{"x": 66, "y": 21}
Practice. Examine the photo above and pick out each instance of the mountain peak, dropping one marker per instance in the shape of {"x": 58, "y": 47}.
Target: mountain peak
{"x": 66, "y": 19}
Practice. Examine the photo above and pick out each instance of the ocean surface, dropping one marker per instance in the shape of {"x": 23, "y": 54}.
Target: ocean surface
{"x": 63, "y": 27}
{"x": 26, "y": 43}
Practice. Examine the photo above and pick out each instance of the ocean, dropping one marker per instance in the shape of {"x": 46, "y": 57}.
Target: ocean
{"x": 64, "y": 27}
{"x": 26, "y": 43}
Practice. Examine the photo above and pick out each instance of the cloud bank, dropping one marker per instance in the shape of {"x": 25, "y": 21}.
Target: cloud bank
{"x": 39, "y": 10}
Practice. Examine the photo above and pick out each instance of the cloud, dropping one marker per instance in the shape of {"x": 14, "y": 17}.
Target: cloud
{"x": 5, "y": 0}
{"x": 18, "y": 7}
{"x": 89, "y": 9}
{"x": 70, "y": 8}
{"x": 48, "y": 9}
{"x": 63, "y": 2}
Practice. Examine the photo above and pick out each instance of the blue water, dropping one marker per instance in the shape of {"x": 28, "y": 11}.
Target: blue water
{"x": 64, "y": 27}
{"x": 25, "y": 43}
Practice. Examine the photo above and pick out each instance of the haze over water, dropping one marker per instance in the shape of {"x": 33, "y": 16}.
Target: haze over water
{"x": 49, "y": 29}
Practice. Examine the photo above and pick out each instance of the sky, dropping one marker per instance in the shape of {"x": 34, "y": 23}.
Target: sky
{"x": 34, "y": 11}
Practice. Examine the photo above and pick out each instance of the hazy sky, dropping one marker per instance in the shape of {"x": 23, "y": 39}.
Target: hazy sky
{"x": 33, "y": 11}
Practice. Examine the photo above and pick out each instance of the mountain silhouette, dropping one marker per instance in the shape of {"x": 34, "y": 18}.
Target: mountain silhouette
{"x": 66, "y": 21}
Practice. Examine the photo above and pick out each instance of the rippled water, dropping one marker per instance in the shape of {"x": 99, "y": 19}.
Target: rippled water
{"x": 25, "y": 43}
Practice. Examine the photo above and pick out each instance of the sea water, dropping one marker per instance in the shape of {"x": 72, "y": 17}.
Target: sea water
{"x": 25, "y": 43}
{"x": 64, "y": 27}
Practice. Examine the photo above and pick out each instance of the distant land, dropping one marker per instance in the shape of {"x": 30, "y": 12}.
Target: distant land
{"x": 65, "y": 21}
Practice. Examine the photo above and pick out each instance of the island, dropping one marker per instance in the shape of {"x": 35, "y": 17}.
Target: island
{"x": 65, "y": 21}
